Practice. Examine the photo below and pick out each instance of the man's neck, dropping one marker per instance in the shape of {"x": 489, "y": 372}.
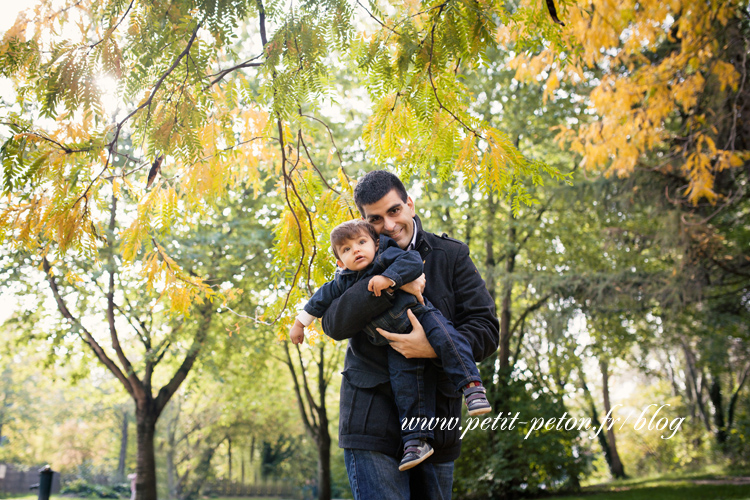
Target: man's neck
{"x": 413, "y": 243}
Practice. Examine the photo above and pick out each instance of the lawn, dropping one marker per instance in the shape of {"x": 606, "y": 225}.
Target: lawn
{"x": 698, "y": 487}
{"x": 66, "y": 497}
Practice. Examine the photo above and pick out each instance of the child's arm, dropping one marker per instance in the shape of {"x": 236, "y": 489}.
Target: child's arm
{"x": 315, "y": 308}
{"x": 297, "y": 332}
{"x": 379, "y": 283}
{"x": 401, "y": 266}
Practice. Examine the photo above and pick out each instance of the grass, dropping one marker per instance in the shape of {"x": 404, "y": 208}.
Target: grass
{"x": 667, "y": 487}
{"x": 66, "y": 497}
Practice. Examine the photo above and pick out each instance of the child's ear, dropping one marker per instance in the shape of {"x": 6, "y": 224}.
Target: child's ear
{"x": 339, "y": 263}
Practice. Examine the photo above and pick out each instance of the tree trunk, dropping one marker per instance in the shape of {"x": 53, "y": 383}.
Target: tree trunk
{"x": 616, "y": 467}
{"x": 505, "y": 306}
{"x": 715, "y": 395}
{"x": 697, "y": 388}
{"x": 145, "y": 483}
{"x": 469, "y": 227}
{"x": 242, "y": 467}
{"x": 733, "y": 399}
{"x": 229, "y": 457}
{"x": 324, "y": 462}
{"x": 595, "y": 419}
{"x": 171, "y": 470}
{"x": 123, "y": 446}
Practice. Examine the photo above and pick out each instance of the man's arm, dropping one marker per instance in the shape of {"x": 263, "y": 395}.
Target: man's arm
{"x": 354, "y": 309}
{"x": 475, "y": 315}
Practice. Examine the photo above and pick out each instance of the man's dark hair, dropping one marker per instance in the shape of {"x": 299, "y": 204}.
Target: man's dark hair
{"x": 375, "y": 185}
{"x": 349, "y": 230}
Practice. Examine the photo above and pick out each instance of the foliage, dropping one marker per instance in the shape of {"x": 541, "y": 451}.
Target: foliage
{"x": 507, "y": 463}
{"x": 667, "y": 78}
{"x": 79, "y": 487}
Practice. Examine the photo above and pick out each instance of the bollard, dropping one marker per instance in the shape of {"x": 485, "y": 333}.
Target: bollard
{"x": 132, "y": 478}
{"x": 45, "y": 482}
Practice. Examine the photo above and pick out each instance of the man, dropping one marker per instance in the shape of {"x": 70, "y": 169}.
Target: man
{"x": 369, "y": 428}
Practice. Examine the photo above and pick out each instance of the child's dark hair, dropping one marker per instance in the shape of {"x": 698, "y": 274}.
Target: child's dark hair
{"x": 375, "y": 185}
{"x": 349, "y": 230}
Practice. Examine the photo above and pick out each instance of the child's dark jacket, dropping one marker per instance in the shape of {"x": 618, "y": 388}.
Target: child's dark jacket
{"x": 401, "y": 266}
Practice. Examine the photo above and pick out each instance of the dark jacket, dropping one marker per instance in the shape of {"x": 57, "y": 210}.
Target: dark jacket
{"x": 368, "y": 416}
{"x": 390, "y": 261}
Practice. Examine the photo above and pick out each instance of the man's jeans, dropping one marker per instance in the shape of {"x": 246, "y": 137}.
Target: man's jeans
{"x": 415, "y": 395}
{"x": 375, "y": 476}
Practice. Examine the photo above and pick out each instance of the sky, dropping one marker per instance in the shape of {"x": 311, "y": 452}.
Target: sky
{"x": 8, "y": 12}
{"x": 10, "y": 9}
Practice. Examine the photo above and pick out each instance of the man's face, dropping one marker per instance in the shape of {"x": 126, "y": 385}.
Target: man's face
{"x": 356, "y": 254}
{"x": 392, "y": 217}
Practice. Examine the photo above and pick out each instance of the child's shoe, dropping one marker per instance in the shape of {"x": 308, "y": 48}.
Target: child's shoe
{"x": 416, "y": 451}
{"x": 476, "y": 399}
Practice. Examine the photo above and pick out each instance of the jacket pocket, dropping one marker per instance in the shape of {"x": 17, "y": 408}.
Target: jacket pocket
{"x": 366, "y": 408}
{"x": 447, "y": 307}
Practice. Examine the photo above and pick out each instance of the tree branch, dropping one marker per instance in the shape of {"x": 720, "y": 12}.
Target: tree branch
{"x": 247, "y": 64}
{"x": 166, "y": 392}
{"x": 298, "y": 393}
{"x": 135, "y": 382}
{"x": 106, "y": 361}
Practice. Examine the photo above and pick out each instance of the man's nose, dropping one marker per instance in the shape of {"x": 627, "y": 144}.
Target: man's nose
{"x": 389, "y": 224}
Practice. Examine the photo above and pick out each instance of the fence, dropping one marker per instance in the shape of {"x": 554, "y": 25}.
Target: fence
{"x": 233, "y": 489}
{"x": 15, "y": 479}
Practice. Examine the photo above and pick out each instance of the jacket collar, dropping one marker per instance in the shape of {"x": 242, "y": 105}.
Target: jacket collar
{"x": 421, "y": 245}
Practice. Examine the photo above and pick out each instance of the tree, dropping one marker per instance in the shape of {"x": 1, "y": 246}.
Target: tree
{"x": 158, "y": 95}
{"x": 669, "y": 88}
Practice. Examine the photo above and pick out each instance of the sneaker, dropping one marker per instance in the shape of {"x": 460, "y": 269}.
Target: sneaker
{"x": 416, "y": 451}
{"x": 476, "y": 400}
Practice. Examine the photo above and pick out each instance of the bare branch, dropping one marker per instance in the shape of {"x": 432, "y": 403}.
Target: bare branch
{"x": 247, "y": 64}
{"x": 314, "y": 408}
{"x": 112, "y": 30}
{"x": 298, "y": 393}
{"x": 111, "y": 301}
{"x": 63, "y": 308}
{"x": 166, "y": 392}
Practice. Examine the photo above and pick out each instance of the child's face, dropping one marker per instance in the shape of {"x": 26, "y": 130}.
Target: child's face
{"x": 356, "y": 254}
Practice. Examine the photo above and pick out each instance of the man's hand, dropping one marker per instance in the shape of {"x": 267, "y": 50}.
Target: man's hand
{"x": 379, "y": 283}
{"x": 416, "y": 288}
{"x": 413, "y": 344}
{"x": 297, "y": 332}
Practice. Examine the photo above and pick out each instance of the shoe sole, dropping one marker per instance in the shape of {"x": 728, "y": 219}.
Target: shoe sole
{"x": 416, "y": 462}
{"x": 479, "y": 411}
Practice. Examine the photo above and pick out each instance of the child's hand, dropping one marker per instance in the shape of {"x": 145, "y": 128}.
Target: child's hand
{"x": 297, "y": 333}
{"x": 378, "y": 284}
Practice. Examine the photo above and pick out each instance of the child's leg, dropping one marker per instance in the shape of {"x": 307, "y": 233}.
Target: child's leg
{"x": 415, "y": 399}
{"x": 452, "y": 348}
{"x": 454, "y": 352}
{"x": 414, "y": 395}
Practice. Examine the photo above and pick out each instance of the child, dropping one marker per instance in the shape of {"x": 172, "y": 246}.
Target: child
{"x": 361, "y": 254}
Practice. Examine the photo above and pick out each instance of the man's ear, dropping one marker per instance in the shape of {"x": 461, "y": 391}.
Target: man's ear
{"x": 339, "y": 263}
{"x": 410, "y": 204}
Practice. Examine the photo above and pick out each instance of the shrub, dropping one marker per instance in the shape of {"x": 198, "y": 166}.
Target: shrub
{"x": 80, "y": 487}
